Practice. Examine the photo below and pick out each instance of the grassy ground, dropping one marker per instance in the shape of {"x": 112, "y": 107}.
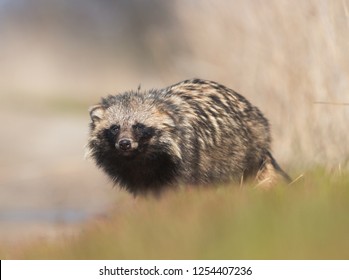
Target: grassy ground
{"x": 284, "y": 56}
{"x": 308, "y": 220}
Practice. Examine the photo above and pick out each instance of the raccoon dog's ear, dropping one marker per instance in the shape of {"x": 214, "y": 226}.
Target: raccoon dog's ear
{"x": 96, "y": 113}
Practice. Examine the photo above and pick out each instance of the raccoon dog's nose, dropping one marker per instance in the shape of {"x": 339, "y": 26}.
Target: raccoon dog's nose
{"x": 125, "y": 144}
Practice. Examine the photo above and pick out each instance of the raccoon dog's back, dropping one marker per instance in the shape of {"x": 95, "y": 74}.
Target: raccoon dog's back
{"x": 195, "y": 132}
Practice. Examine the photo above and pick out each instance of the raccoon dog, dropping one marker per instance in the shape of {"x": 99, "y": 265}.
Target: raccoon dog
{"x": 196, "y": 132}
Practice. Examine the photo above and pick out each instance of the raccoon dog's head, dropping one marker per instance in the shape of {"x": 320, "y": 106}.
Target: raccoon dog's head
{"x": 131, "y": 126}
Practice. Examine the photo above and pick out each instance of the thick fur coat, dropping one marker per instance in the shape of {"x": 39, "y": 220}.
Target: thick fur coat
{"x": 196, "y": 132}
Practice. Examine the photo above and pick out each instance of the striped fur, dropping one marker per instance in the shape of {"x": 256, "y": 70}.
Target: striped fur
{"x": 196, "y": 132}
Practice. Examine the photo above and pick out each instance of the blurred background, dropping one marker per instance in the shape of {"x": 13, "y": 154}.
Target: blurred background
{"x": 58, "y": 57}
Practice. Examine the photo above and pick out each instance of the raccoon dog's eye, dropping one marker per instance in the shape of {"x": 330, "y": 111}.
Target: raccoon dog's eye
{"x": 143, "y": 131}
{"x": 114, "y": 129}
{"x": 139, "y": 126}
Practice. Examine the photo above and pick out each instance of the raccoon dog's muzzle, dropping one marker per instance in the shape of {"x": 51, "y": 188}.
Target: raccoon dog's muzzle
{"x": 126, "y": 145}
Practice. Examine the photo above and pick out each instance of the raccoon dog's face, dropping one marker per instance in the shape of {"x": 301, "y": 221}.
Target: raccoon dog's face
{"x": 130, "y": 127}
{"x": 130, "y": 139}
{"x": 123, "y": 136}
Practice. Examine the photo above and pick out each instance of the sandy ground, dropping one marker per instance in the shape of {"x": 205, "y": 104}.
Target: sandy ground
{"x": 47, "y": 188}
